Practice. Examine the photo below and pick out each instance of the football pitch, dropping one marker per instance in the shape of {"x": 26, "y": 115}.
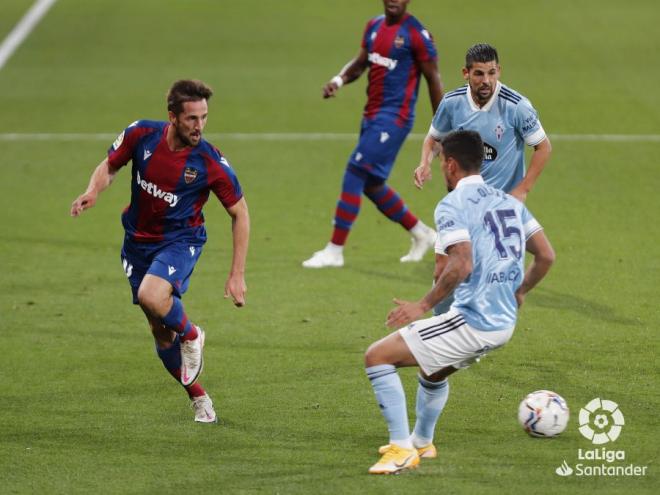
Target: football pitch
{"x": 85, "y": 404}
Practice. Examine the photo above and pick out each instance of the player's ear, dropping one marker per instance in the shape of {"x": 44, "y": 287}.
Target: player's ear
{"x": 466, "y": 73}
{"x": 172, "y": 117}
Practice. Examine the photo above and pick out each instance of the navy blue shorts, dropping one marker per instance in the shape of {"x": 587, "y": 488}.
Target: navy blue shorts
{"x": 173, "y": 262}
{"x": 379, "y": 144}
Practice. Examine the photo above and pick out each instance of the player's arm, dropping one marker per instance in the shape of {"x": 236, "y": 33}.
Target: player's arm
{"x": 433, "y": 81}
{"x": 101, "y": 178}
{"x": 458, "y": 266}
{"x": 537, "y": 163}
{"x": 544, "y": 256}
{"x": 430, "y": 149}
{"x": 240, "y": 227}
{"x": 349, "y": 73}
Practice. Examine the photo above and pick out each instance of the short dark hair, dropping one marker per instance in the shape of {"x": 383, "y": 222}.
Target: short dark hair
{"x": 186, "y": 90}
{"x": 466, "y": 147}
{"x": 481, "y": 52}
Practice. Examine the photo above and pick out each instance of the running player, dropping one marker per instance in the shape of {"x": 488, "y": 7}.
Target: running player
{"x": 396, "y": 49}
{"x": 173, "y": 171}
{"x": 484, "y": 233}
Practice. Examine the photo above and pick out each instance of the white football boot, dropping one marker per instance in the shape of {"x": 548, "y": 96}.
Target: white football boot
{"x": 192, "y": 360}
{"x": 330, "y": 255}
{"x": 203, "y": 407}
{"x": 421, "y": 241}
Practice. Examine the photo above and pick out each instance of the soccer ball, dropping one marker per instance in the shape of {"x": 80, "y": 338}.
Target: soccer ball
{"x": 543, "y": 414}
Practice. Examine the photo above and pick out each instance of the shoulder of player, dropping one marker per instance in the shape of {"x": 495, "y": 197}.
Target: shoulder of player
{"x": 143, "y": 128}
{"x": 456, "y": 92}
{"x": 212, "y": 154}
{"x": 510, "y": 96}
{"x": 375, "y": 20}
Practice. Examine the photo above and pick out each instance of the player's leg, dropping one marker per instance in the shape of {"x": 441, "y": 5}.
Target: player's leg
{"x": 432, "y": 395}
{"x": 347, "y": 210}
{"x": 168, "y": 349}
{"x": 160, "y": 294}
{"x": 381, "y": 362}
{"x": 380, "y": 146}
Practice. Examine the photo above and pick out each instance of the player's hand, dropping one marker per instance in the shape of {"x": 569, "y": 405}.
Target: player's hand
{"x": 82, "y": 203}
{"x": 236, "y": 289}
{"x": 519, "y": 193}
{"x": 404, "y": 313}
{"x": 422, "y": 174}
{"x": 330, "y": 90}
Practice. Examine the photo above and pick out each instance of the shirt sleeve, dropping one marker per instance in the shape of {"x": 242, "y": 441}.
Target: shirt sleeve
{"x": 441, "y": 123}
{"x": 530, "y": 225}
{"x": 423, "y": 47}
{"x": 223, "y": 181}
{"x": 450, "y": 226}
{"x": 528, "y": 124}
{"x": 122, "y": 149}
{"x": 365, "y": 34}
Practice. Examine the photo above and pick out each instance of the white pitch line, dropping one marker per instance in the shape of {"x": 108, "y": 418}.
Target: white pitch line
{"x": 307, "y": 136}
{"x": 23, "y": 29}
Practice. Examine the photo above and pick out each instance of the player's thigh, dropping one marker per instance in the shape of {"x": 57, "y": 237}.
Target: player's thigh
{"x": 390, "y": 350}
{"x": 135, "y": 261}
{"x": 175, "y": 264}
{"x": 378, "y": 147}
{"x": 446, "y": 341}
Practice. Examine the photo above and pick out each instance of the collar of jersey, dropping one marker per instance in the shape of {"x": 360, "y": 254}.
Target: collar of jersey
{"x": 490, "y": 103}
{"x": 470, "y": 179}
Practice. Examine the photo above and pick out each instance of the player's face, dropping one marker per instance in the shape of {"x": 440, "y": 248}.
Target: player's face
{"x": 190, "y": 123}
{"x": 395, "y": 8}
{"x": 482, "y": 78}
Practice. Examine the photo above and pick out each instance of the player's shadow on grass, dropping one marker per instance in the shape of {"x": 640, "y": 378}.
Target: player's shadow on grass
{"x": 546, "y": 298}
{"x": 421, "y": 273}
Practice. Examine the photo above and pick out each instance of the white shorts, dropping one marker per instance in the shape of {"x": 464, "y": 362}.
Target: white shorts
{"x": 447, "y": 340}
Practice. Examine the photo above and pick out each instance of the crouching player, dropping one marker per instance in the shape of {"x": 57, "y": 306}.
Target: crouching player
{"x": 484, "y": 232}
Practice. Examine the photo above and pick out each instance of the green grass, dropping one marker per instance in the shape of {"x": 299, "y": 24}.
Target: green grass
{"x": 86, "y": 405}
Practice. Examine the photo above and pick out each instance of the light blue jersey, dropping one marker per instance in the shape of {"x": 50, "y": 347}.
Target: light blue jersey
{"x": 506, "y": 123}
{"x": 498, "y": 226}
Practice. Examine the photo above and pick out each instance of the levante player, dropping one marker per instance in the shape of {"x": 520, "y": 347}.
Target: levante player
{"x": 397, "y": 50}
{"x": 173, "y": 172}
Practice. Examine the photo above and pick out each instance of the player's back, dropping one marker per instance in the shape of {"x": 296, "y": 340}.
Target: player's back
{"x": 497, "y": 225}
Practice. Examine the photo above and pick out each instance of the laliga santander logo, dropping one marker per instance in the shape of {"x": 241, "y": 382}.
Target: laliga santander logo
{"x": 606, "y": 418}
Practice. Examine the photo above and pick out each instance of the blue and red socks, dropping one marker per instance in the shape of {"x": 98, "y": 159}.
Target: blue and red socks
{"x": 392, "y": 206}
{"x": 177, "y": 320}
{"x": 171, "y": 358}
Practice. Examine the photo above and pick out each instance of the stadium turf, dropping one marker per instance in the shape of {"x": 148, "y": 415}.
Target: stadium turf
{"x": 86, "y": 405}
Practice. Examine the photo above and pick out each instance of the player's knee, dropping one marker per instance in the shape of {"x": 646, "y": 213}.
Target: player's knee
{"x": 373, "y": 356}
{"x": 151, "y": 302}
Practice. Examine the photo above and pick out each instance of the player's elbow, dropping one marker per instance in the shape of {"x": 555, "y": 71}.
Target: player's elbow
{"x": 464, "y": 269}
{"x": 546, "y": 257}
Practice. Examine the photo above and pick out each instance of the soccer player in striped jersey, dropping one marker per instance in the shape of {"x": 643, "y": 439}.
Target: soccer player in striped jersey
{"x": 504, "y": 118}
{"x": 484, "y": 232}
{"x": 397, "y": 50}
{"x": 173, "y": 171}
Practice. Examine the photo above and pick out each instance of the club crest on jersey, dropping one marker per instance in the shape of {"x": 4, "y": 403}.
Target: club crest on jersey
{"x": 399, "y": 41}
{"x": 189, "y": 175}
{"x": 490, "y": 153}
{"x": 499, "y": 131}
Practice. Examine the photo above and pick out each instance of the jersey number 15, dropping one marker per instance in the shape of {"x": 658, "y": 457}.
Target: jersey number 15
{"x": 497, "y": 223}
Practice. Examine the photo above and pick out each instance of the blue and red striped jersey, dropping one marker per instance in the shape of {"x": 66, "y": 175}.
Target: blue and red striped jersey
{"x": 169, "y": 188}
{"x": 395, "y": 53}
